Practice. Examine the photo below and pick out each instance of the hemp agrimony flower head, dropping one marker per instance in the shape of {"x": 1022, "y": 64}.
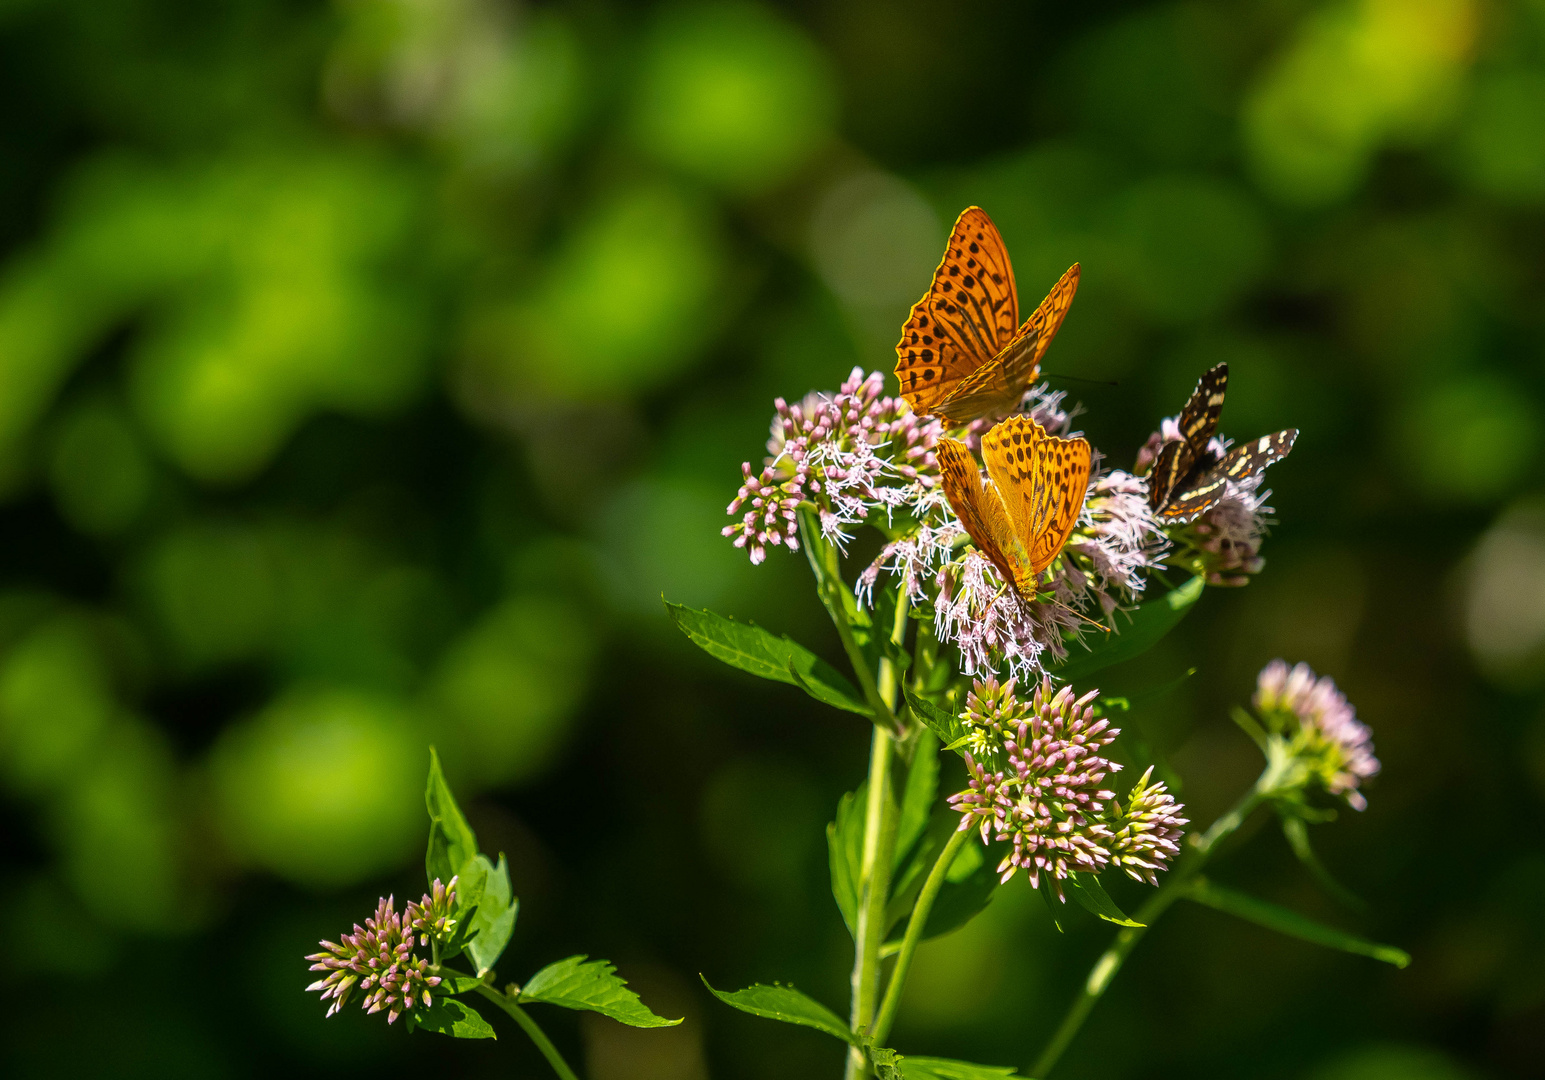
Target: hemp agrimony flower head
{"x": 1037, "y": 779}
{"x": 1206, "y": 490}
{"x": 855, "y": 455}
{"x": 378, "y": 958}
{"x": 1321, "y": 726}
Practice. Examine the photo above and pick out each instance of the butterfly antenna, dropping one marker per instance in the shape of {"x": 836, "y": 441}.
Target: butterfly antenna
{"x": 1079, "y": 378}
{"x": 1092, "y": 622}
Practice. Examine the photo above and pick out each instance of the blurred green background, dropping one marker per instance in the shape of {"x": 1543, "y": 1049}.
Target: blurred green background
{"x": 369, "y": 369}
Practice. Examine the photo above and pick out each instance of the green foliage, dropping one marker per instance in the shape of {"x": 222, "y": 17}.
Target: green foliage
{"x": 1091, "y": 895}
{"x": 1135, "y": 633}
{"x": 845, "y": 847}
{"x": 754, "y": 650}
{"x": 1283, "y": 921}
{"x": 577, "y": 983}
{"x": 788, "y": 1005}
{"x": 485, "y": 902}
{"x": 451, "y": 842}
{"x": 451, "y": 1017}
{"x": 890, "y": 1065}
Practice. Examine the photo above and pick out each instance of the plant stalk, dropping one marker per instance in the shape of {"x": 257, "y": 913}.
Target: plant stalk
{"x": 529, "y": 1026}
{"x": 914, "y": 934}
{"x": 1180, "y": 880}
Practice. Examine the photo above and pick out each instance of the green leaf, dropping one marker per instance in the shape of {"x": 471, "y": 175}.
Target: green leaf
{"x": 886, "y": 1063}
{"x": 1054, "y": 906}
{"x": 494, "y": 920}
{"x": 1144, "y": 627}
{"x": 1283, "y": 921}
{"x": 452, "y": 983}
{"x": 751, "y": 649}
{"x": 845, "y": 852}
{"x": 577, "y": 983}
{"x": 788, "y": 1005}
{"x": 1297, "y": 833}
{"x": 945, "y": 725}
{"x": 1088, "y": 891}
{"x": 931, "y": 1068}
{"x": 917, "y": 796}
{"x": 454, "y": 1018}
{"x": 451, "y": 843}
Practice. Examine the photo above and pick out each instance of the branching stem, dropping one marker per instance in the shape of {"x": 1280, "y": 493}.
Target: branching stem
{"x": 1180, "y": 881}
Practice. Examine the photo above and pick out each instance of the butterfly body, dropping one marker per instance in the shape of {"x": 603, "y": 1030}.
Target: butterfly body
{"x": 1021, "y": 518}
{"x": 963, "y": 353}
{"x": 1190, "y": 475}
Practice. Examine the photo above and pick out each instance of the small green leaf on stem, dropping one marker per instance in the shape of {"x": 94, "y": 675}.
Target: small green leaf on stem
{"x": 917, "y": 796}
{"x": 1091, "y": 895}
{"x": 577, "y": 983}
{"x": 945, "y": 725}
{"x": 1142, "y": 629}
{"x": 1053, "y": 905}
{"x": 451, "y": 842}
{"x": 454, "y": 983}
{"x": 758, "y": 652}
{"x": 454, "y": 1018}
{"x": 845, "y": 853}
{"x": 788, "y": 1005}
{"x": 1291, "y": 923}
{"x": 494, "y": 920}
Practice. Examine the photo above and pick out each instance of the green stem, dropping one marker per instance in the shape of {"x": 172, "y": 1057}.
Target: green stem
{"x": 529, "y": 1026}
{"x": 1180, "y": 880}
{"x": 914, "y": 934}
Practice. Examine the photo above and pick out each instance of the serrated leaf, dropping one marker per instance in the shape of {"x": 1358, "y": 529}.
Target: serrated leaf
{"x": 454, "y": 1018}
{"x": 886, "y": 1063}
{"x": 577, "y": 983}
{"x": 917, "y": 796}
{"x": 1135, "y": 633}
{"x": 945, "y": 725}
{"x": 1091, "y": 895}
{"x": 845, "y": 850}
{"x": 758, "y": 652}
{"x": 931, "y": 1068}
{"x": 451, "y": 842}
{"x": 494, "y": 920}
{"x": 1291, "y": 923}
{"x": 788, "y": 1005}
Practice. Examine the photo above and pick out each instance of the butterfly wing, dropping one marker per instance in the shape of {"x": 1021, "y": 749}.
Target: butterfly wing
{"x": 1240, "y": 464}
{"x": 980, "y": 510}
{"x": 1198, "y": 421}
{"x": 997, "y": 385}
{"x": 970, "y": 312}
{"x": 1042, "y": 480}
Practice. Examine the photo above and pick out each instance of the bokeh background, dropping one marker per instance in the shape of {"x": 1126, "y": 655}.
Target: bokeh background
{"x": 368, "y": 370}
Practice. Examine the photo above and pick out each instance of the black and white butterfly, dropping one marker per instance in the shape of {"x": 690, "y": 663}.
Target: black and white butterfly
{"x": 1189, "y": 476}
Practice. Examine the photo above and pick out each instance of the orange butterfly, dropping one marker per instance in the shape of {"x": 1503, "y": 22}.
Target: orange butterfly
{"x": 962, "y": 352}
{"x": 1023, "y": 517}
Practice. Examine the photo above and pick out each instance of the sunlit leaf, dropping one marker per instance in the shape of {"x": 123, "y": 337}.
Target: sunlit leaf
{"x": 845, "y": 849}
{"x": 922, "y": 785}
{"x": 1135, "y": 633}
{"x": 944, "y": 724}
{"x": 751, "y": 649}
{"x": 577, "y": 983}
{"x": 1091, "y": 895}
{"x": 494, "y": 920}
{"x": 451, "y": 1017}
{"x": 451, "y": 983}
{"x": 931, "y": 1068}
{"x": 1291, "y": 923}
{"x": 788, "y": 1005}
{"x": 451, "y": 842}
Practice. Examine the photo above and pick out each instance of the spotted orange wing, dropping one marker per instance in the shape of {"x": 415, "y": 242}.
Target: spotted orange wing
{"x": 997, "y": 385}
{"x": 970, "y": 312}
{"x": 981, "y": 510}
{"x": 1042, "y": 480}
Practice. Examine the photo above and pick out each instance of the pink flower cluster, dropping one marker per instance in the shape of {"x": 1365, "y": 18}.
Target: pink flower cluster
{"x": 1326, "y": 733}
{"x": 1037, "y": 779}
{"x": 378, "y": 958}
{"x": 852, "y": 454}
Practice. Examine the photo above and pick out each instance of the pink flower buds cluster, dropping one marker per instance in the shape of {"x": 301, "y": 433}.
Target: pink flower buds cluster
{"x": 378, "y": 958}
{"x": 1322, "y": 727}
